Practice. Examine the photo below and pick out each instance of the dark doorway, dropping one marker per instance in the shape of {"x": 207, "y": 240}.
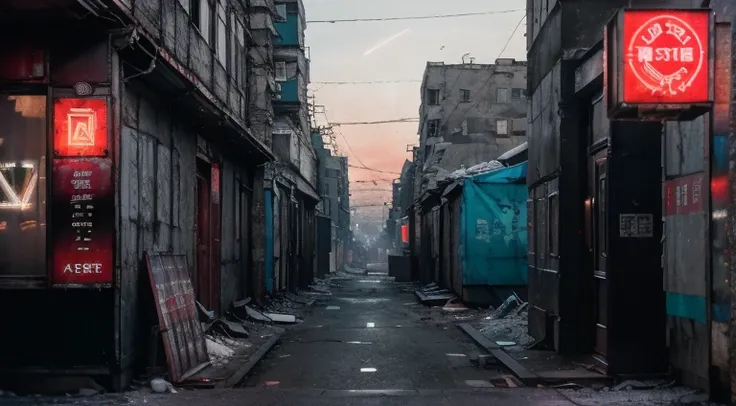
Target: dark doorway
{"x": 244, "y": 230}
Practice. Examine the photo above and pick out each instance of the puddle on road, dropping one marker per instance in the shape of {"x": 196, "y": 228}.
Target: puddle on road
{"x": 359, "y": 342}
{"x": 456, "y": 355}
{"x": 369, "y": 281}
{"x": 368, "y": 370}
{"x": 370, "y": 325}
{"x": 332, "y": 308}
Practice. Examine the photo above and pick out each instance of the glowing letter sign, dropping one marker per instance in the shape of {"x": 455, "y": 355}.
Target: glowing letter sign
{"x": 80, "y": 127}
{"x": 83, "y": 204}
{"x": 660, "y": 61}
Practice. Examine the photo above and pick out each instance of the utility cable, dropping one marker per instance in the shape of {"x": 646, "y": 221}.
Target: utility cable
{"x": 373, "y": 170}
{"x": 397, "y": 120}
{"x": 367, "y": 82}
{"x": 490, "y": 77}
{"x": 426, "y": 17}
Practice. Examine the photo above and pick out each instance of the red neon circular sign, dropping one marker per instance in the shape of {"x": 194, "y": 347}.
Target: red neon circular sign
{"x": 666, "y": 56}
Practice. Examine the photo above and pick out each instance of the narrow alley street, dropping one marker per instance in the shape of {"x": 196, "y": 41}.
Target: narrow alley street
{"x": 370, "y": 343}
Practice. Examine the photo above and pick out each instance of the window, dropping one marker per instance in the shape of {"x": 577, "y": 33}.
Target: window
{"x": 502, "y": 127}
{"x": 221, "y": 34}
{"x": 202, "y": 12}
{"x": 518, "y": 93}
{"x": 23, "y": 192}
{"x": 464, "y": 95}
{"x": 237, "y": 50}
{"x": 281, "y": 13}
{"x": 281, "y": 71}
{"x": 502, "y": 95}
{"x": 433, "y": 128}
{"x": 433, "y": 96}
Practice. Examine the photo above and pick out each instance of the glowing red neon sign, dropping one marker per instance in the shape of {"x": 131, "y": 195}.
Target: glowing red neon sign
{"x": 80, "y": 127}
{"x": 666, "y": 56}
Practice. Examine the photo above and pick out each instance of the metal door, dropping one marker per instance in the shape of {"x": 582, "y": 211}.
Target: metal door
{"x": 600, "y": 250}
{"x": 202, "y": 280}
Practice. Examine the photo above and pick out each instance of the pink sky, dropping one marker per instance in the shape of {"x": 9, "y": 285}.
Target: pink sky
{"x": 399, "y": 50}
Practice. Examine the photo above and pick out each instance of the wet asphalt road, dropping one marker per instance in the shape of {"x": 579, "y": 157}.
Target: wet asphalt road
{"x": 362, "y": 346}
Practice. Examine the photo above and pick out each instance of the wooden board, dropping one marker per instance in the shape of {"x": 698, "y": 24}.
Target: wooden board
{"x": 184, "y": 344}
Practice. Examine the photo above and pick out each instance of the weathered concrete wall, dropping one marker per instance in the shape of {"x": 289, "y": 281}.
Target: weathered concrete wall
{"x": 474, "y": 121}
{"x": 157, "y": 198}
{"x": 170, "y": 24}
{"x": 158, "y": 154}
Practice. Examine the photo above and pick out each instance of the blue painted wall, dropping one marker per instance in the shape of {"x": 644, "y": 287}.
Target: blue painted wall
{"x": 290, "y": 90}
{"x": 288, "y": 30}
{"x": 269, "y": 242}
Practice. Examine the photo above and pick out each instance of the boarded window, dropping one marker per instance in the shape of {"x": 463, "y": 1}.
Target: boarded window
{"x": 502, "y": 95}
{"x": 502, "y": 127}
{"x": 281, "y": 71}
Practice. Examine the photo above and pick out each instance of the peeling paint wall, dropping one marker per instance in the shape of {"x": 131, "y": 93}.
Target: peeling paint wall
{"x": 158, "y": 153}
{"x": 157, "y": 198}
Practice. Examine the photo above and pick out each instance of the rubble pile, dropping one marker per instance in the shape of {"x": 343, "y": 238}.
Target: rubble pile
{"x": 508, "y": 323}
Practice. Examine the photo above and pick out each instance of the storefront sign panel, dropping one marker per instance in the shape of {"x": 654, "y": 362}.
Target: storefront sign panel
{"x": 82, "y": 221}
{"x": 684, "y": 195}
{"x": 666, "y": 56}
{"x": 80, "y": 127}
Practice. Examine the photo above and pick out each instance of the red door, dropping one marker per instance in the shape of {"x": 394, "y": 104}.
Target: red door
{"x": 206, "y": 280}
{"x": 202, "y": 280}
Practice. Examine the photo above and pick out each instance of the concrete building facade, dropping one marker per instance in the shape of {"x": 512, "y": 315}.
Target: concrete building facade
{"x": 470, "y": 113}
{"x": 596, "y": 173}
{"x": 165, "y": 89}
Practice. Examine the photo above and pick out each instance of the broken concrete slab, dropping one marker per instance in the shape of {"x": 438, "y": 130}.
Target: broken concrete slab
{"x": 523, "y": 374}
{"x": 256, "y": 315}
{"x": 434, "y": 299}
{"x": 281, "y": 318}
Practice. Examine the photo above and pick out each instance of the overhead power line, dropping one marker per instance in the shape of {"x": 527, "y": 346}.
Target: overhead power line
{"x": 367, "y": 82}
{"x": 398, "y": 120}
{"x": 490, "y": 77}
{"x": 373, "y": 170}
{"x": 425, "y": 17}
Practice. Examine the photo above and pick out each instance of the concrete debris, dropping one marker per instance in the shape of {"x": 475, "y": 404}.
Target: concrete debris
{"x": 473, "y": 170}
{"x": 159, "y": 385}
{"x": 507, "y": 307}
{"x": 281, "y": 318}
{"x": 511, "y": 327}
{"x": 218, "y": 351}
{"x": 256, "y": 315}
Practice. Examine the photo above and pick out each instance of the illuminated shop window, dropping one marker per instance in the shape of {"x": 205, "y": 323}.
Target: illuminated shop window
{"x": 22, "y": 185}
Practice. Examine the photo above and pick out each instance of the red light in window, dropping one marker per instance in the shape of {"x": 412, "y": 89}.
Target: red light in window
{"x": 719, "y": 189}
{"x": 405, "y": 234}
{"x": 80, "y": 127}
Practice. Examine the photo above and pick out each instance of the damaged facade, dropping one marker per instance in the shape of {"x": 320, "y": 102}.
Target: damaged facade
{"x": 291, "y": 187}
{"x": 600, "y": 175}
{"x": 334, "y": 190}
{"x": 149, "y": 124}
